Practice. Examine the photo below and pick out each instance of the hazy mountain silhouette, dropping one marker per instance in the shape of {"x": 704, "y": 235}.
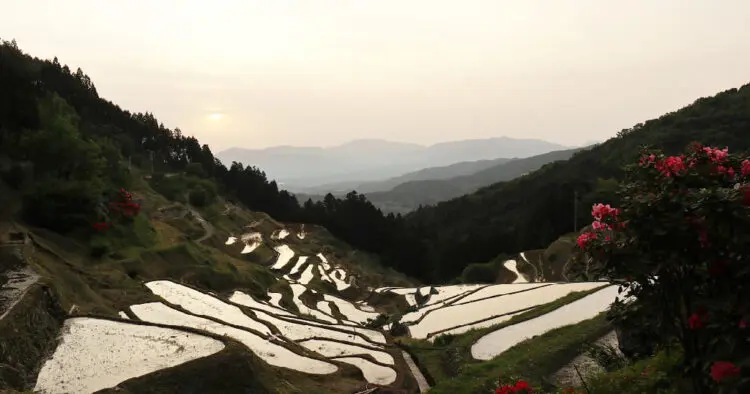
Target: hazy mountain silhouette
{"x": 359, "y": 161}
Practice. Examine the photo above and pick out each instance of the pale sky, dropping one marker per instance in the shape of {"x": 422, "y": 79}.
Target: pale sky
{"x": 323, "y": 72}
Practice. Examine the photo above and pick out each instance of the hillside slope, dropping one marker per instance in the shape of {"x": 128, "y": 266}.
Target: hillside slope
{"x": 433, "y": 185}
{"x": 531, "y": 211}
{"x": 408, "y": 196}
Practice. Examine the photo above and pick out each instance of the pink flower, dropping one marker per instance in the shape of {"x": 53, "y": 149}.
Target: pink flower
{"x": 743, "y": 324}
{"x": 697, "y": 320}
{"x": 716, "y": 155}
{"x": 745, "y": 168}
{"x": 671, "y": 166}
{"x": 723, "y": 369}
{"x": 646, "y": 160}
{"x": 601, "y": 211}
{"x": 597, "y": 225}
{"x": 584, "y": 239}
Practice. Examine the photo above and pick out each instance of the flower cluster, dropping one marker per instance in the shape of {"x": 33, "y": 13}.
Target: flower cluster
{"x": 721, "y": 370}
{"x": 125, "y": 205}
{"x": 671, "y": 166}
{"x": 120, "y": 206}
{"x": 698, "y": 319}
{"x": 685, "y": 249}
{"x": 101, "y": 226}
{"x": 521, "y": 387}
{"x": 606, "y": 219}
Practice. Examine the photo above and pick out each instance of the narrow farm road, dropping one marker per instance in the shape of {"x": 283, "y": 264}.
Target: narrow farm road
{"x": 208, "y": 228}
{"x": 18, "y": 281}
{"x": 421, "y": 381}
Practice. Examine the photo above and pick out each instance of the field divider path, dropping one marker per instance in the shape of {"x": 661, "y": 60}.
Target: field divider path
{"x": 221, "y": 301}
{"x": 503, "y": 294}
{"x": 139, "y": 322}
{"x": 326, "y": 339}
{"x": 286, "y": 342}
{"x": 436, "y": 333}
{"x": 416, "y": 372}
{"x": 440, "y": 304}
{"x": 208, "y": 317}
{"x": 311, "y": 323}
{"x": 258, "y": 341}
{"x": 451, "y": 299}
{"x": 494, "y": 343}
{"x": 415, "y": 322}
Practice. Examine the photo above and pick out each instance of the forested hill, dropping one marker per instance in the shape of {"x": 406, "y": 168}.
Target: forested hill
{"x": 531, "y": 211}
{"x": 63, "y": 148}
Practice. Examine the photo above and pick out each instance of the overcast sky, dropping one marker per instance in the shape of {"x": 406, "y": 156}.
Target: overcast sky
{"x": 322, "y": 72}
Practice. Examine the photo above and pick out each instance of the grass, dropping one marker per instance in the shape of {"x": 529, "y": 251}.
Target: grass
{"x": 534, "y": 359}
{"x": 657, "y": 374}
{"x": 445, "y": 362}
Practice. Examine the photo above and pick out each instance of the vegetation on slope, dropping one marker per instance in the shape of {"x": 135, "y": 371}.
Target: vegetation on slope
{"x": 531, "y": 211}
{"x": 43, "y": 105}
{"x": 409, "y": 196}
{"x": 62, "y": 148}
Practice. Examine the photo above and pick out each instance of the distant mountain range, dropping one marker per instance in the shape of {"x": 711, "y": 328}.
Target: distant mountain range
{"x": 445, "y": 185}
{"x": 305, "y": 169}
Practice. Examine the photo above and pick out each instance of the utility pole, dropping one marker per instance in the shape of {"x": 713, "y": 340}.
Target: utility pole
{"x": 575, "y": 210}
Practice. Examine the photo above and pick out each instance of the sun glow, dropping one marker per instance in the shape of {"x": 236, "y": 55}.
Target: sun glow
{"x": 216, "y": 116}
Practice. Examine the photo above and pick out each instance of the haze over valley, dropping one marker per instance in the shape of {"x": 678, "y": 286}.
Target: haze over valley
{"x": 341, "y": 167}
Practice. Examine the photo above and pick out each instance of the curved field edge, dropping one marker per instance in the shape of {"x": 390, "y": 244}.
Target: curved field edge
{"x": 235, "y": 367}
{"x": 534, "y": 359}
{"x": 442, "y": 359}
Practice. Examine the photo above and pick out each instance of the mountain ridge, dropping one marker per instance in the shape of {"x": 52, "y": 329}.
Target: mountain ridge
{"x": 408, "y": 196}
{"x": 374, "y": 159}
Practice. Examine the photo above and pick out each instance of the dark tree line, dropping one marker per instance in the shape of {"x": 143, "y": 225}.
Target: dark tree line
{"x": 45, "y": 98}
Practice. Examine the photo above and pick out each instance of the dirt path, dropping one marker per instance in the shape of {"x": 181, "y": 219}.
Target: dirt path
{"x": 567, "y": 375}
{"x": 208, "y": 228}
{"x": 421, "y": 381}
{"x": 19, "y": 280}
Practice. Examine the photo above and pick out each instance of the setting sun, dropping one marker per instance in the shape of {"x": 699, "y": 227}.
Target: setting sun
{"x": 215, "y": 116}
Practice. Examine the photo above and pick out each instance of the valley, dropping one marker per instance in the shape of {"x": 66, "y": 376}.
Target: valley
{"x": 132, "y": 260}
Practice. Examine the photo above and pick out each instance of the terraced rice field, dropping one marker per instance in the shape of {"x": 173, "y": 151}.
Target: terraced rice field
{"x": 96, "y": 354}
{"x": 326, "y": 333}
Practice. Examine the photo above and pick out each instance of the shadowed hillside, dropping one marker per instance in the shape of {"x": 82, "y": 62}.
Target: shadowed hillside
{"x": 531, "y": 211}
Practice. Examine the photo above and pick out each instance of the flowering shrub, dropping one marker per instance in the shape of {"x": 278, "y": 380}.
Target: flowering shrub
{"x": 123, "y": 205}
{"x": 681, "y": 240}
{"x": 520, "y": 387}
{"x": 120, "y": 207}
